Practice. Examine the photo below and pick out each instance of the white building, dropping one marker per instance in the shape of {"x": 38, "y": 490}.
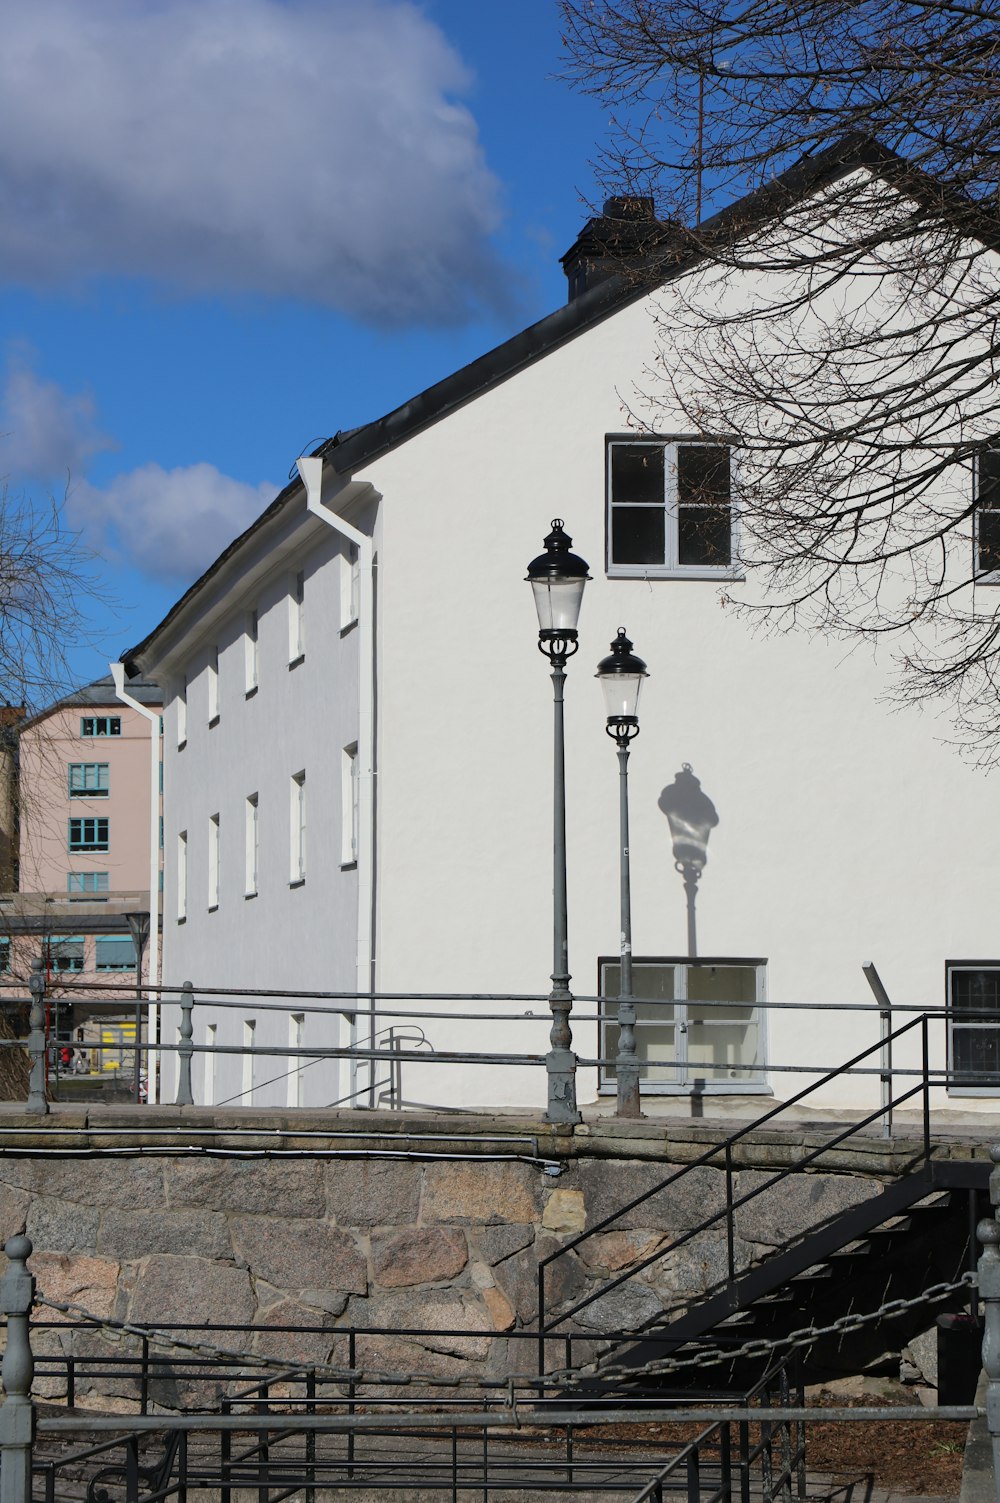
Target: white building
{"x": 358, "y": 757}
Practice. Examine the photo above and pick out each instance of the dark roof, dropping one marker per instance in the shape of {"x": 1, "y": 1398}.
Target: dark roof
{"x": 101, "y": 693}
{"x": 349, "y": 450}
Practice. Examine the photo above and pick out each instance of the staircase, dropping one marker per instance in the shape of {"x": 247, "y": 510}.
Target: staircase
{"x": 916, "y": 1232}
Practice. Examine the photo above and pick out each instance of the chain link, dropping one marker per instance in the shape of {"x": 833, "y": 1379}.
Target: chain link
{"x": 562, "y": 1378}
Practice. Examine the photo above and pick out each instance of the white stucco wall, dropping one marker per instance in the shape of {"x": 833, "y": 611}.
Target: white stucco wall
{"x": 848, "y": 833}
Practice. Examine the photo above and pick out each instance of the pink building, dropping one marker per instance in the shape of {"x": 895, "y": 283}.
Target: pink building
{"x": 84, "y": 817}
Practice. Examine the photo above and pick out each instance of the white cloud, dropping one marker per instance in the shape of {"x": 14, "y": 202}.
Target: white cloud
{"x": 46, "y": 433}
{"x": 312, "y": 148}
{"x": 168, "y": 523}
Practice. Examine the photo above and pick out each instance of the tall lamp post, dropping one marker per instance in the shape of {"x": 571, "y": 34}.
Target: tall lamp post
{"x": 557, "y": 578}
{"x": 139, "y": 926}
{"x": 621, "y": 677}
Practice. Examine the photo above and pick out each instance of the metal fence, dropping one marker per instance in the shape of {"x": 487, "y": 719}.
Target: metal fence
{"x": 393, "y": 1039}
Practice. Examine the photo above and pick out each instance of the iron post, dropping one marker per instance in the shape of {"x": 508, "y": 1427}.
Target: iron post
{"x": 138, "y": 924}
{"x": 185, "y": 1048}
{"x": 36, "y": 1038}
{"x": 17, "y": 1415}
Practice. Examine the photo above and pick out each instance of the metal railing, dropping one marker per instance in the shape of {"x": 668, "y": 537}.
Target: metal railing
{"x": 413, "y": 1029}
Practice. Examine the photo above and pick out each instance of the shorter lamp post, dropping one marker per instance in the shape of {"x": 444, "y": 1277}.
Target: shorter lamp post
{"x": 621, "y": 677}
{"x": 139, "y": 926}
{"x": 557, "y": 578}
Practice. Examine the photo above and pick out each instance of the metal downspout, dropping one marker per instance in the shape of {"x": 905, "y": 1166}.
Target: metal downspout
{"x": 311, "y": 470}
{"x": 153, "y": 967}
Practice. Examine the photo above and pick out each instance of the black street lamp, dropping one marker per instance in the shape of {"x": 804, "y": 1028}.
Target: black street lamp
{"x": 557, "y": 578}
{"x": 621, "y": 677}
{"x": 138, "y": 924}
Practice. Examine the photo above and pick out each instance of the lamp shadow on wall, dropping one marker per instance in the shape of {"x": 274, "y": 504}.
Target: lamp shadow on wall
{"x": 692, "y": 817}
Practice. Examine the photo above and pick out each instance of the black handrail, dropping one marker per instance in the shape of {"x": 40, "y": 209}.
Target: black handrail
{"x": 725, "y": 1147}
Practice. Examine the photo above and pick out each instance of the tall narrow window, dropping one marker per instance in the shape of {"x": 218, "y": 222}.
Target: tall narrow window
{"x": 251, "y": 652}
{"x": 987, "y": 513}
{"x": 249, "y": 1035}
{"x": 350, "y": 805}
{"x": 252, "y": 845}
{"x": 296, "y": 619}
{"x": 297, "y": 868}
{"x": 182, "y": 874}
{"x": 213, "y": 861}
{"x": 296, "y": 1039}
{"x": 213, "y": 686}
{"x": 350, "y": 586}
{"x": 210, "y": 1057}
{"x": 182, "y": 711}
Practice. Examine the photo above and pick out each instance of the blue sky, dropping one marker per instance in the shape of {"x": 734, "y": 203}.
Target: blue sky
{"x": 235, "y": 226}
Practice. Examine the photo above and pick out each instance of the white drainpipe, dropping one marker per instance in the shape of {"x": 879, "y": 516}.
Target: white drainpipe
{"x": 153, "y": 962}
{"x": 311, "y": 470}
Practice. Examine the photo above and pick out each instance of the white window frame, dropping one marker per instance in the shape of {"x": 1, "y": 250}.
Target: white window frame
{"x": 251, "y": 651}
{"x": 297, "y": 829}
{"x": 671, "y": 568}
{"x": 211, "y": 1062}
{"x": 252, "y": 846}
{"x": 248, "y": 1082}
{"x": 956, "y": 1022}
{"x": 212, "y": 673}
{"x": 297, "y": 618}
{"x": 350, "y": 805}
{"x": 182, "y": 875}
{"x": 214, "y": 841}
{"x": 296, "y": 1062}
{"x": 182, "y": 712}
{"x": 744, "y": 1083}
{"x": 350, "y": 587}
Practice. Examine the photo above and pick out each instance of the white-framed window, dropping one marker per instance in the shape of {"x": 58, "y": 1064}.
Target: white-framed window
{"x": 252, "y": 845}
{"x": 100, "y": 725}
{"x": 251, "y": 650}
{"x": 350, "y": 805}
{"x": 297, "y": 828}
{"x": 182, "y": 711}
{"x": 350, "y": 586}
{"x": 699, "y": 1023}
{"x": 986, "y": 516}
{"x": 89, "y": 779}
{"x": 973, "y": 998}
{"x": 211, "y": 1060}
{"x": 213, "y": 861}
{"x": 297, "y": 618}
{"x": 182, "y": 874}
{"x": 296, "y": 1040}
{"x": 212, "y": 675}
{"x": 88, "y": 882}
{"x": 670, "y": 508}
{"x": 248, "y": 1082}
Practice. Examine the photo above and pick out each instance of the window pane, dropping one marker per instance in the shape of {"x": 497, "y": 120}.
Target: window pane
{"x": 637, "y": 535}
{"x": 704, "y": 535}
{"x": 988, "y": 535}
{"x": 655, "y": 1034}
{"x": 637, "y": 474}
{"x": 115, "y": 952}
{"x": 975, "y": 1044}
{"x": 702, "y": 473}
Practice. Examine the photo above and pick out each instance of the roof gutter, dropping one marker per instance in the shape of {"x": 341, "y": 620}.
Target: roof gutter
{"x": 311, "y": 470}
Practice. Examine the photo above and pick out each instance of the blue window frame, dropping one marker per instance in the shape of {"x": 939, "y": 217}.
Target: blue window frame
{"x": 115, "y": 952}
{"x": 89, "y": 780}
{"x": 87, "y": 882}
{"x": 64, "y": 952}
{"x": 100, "y": 725}
{"x": 89, "y": 834}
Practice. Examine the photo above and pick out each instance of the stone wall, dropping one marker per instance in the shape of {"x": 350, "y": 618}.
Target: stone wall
{"x": 375, "y": 1242}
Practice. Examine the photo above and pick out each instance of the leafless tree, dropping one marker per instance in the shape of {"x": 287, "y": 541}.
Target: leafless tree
{"x": 840, "y": 318}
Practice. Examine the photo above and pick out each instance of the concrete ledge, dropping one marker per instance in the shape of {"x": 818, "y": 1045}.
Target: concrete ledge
{"x": 978, "y": 1483}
